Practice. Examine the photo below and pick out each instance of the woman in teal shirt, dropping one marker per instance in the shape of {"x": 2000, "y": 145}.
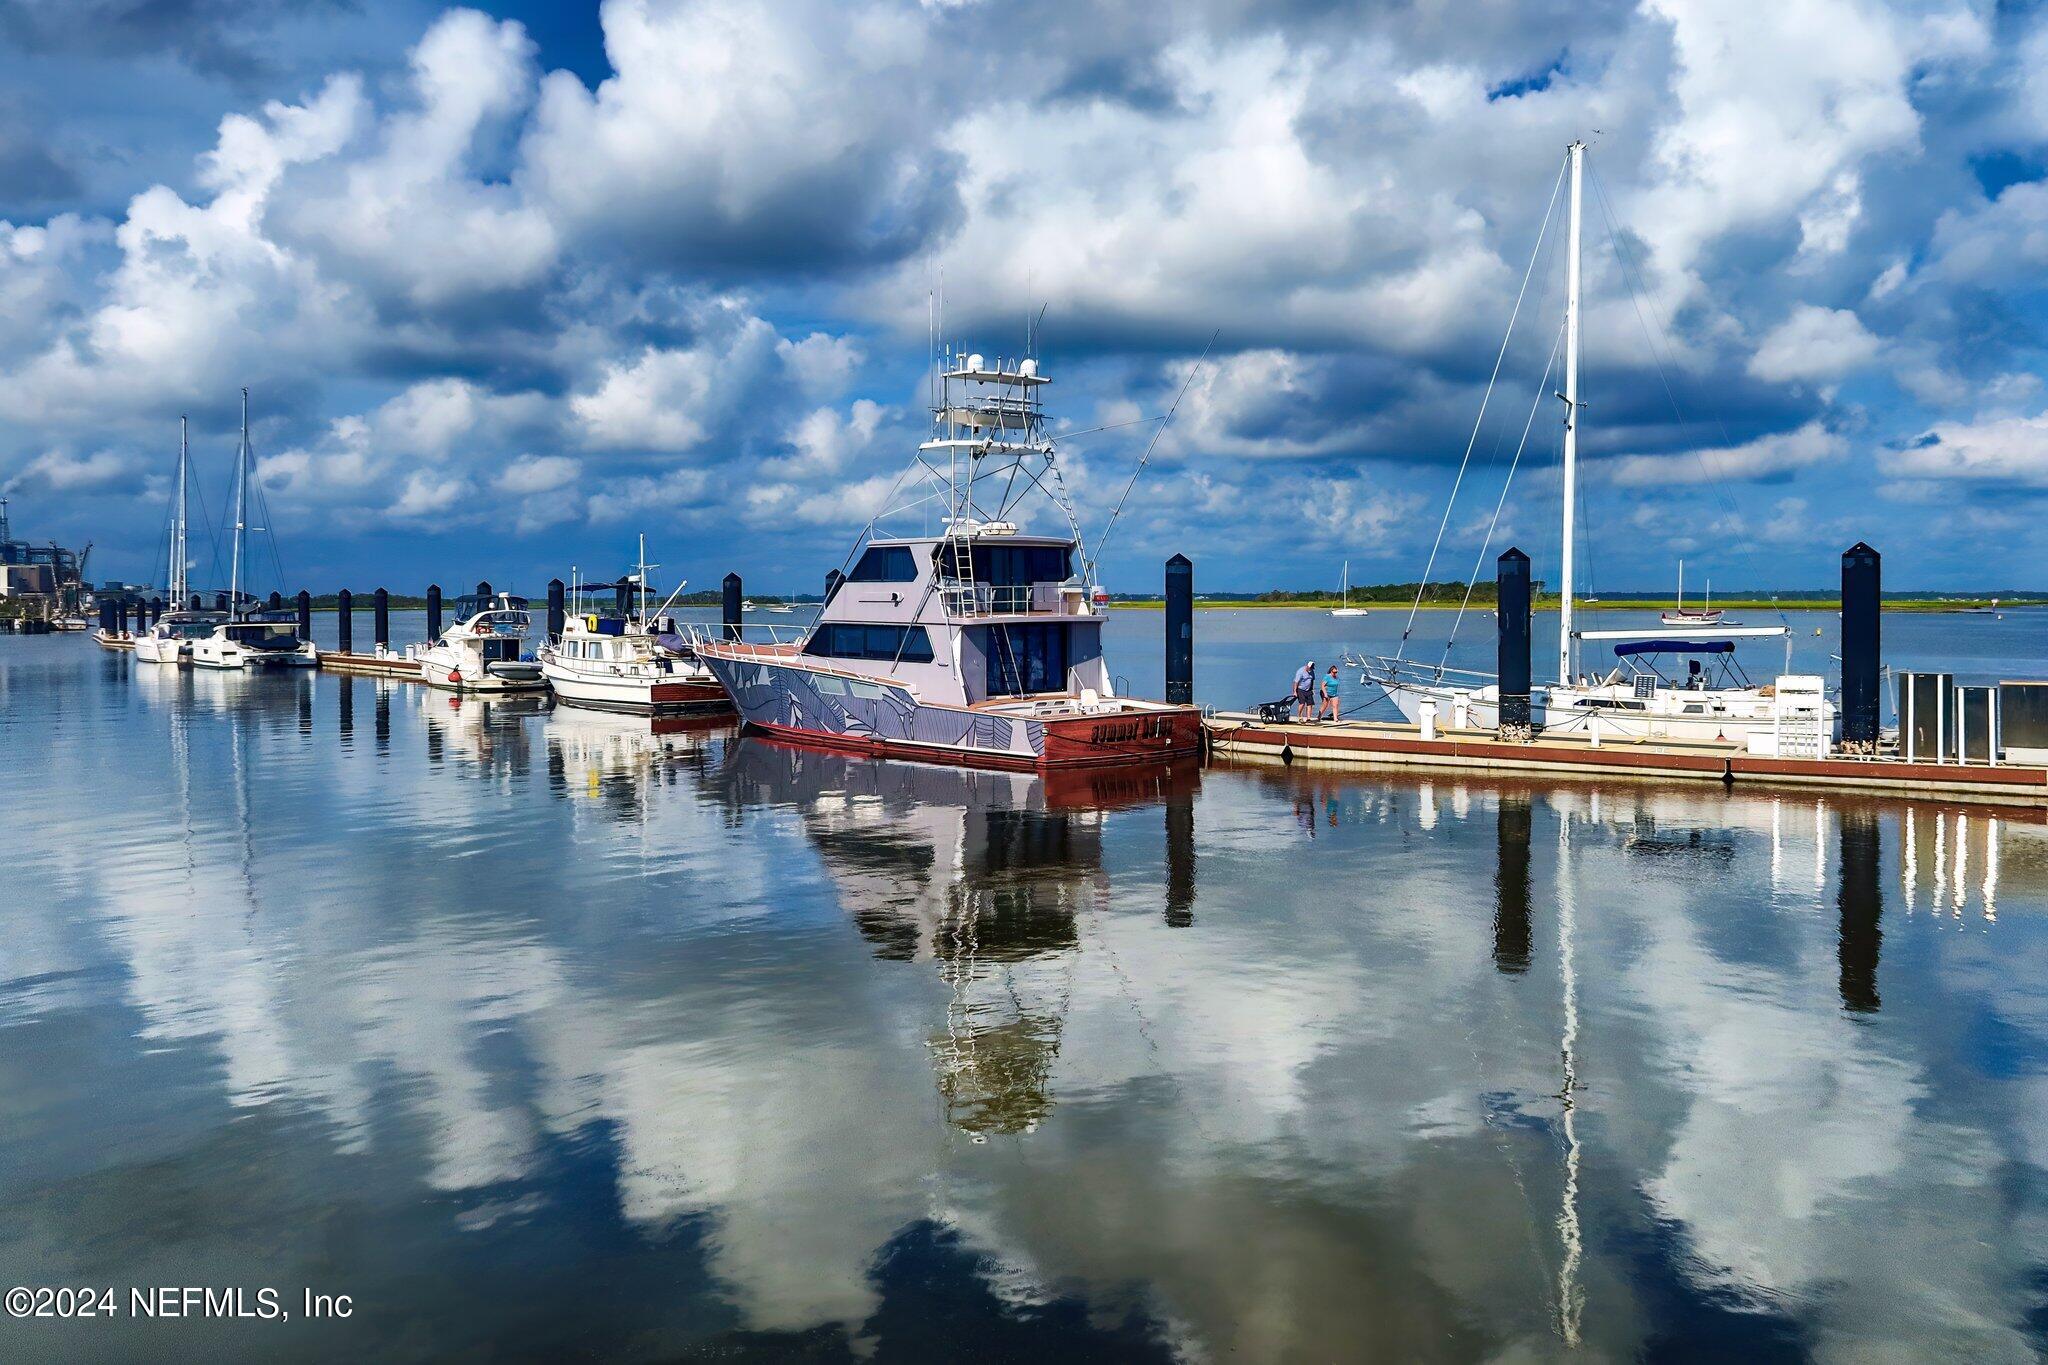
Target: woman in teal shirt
{"x": 1333, "y": 695}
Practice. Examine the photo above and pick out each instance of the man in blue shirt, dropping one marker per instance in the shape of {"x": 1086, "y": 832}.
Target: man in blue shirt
{"x": 1304, "y": 690}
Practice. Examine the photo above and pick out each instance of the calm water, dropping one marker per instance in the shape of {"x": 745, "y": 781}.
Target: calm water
{"x": 537, "y": 1033}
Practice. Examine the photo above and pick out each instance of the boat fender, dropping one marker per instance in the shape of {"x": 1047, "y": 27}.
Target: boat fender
{"x": 454, "y": 676}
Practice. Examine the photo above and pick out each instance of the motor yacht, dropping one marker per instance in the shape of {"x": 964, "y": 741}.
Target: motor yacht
{"x": 636, "y": 660}
{"x": 480, "y": 652}
{"x": 980, "y": 644}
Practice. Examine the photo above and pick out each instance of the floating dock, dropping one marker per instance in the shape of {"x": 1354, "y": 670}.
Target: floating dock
{"x": 1241, "y": 735}
{"x": 381, "y": 665}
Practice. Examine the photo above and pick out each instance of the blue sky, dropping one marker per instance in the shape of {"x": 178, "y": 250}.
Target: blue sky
{"x": 512, "y": 284}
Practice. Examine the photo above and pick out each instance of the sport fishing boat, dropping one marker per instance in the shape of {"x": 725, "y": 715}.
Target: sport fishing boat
{"x": 170, "y": 639}
{"x": 1642, "y": 693}
{"x": 979, "y": 645}
{"x": 480, "y": 652}
{"x": 636, "y": 661}
{"x": 249, "y": 639}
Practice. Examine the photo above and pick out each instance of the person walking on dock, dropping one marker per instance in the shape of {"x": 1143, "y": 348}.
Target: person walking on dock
{"x": 1304, "y": 690}
{"x": 1332, "y": 695}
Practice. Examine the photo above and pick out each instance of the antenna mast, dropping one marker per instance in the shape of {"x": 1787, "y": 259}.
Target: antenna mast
{"x": 1577, "y": 157}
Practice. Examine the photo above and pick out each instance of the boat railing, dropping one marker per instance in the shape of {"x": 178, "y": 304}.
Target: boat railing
{"x": 754, "y": 640}
{"x": 964, "y": 599}
{"x": 1383, "y": 669}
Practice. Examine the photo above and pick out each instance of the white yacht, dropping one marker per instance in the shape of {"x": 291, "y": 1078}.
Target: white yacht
{"x": 246, "y": 638}
{"x": 481, "y": 651}
{"x": 980, "y": 644}
{"x": 637, "y": 660}
{"x": 1674, "y": 682}
{"x": 170, "y": 639}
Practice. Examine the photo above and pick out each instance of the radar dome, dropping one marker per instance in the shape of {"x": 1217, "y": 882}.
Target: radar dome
{"x": 974, "y": 361}
{"x": 1028, "y": 368}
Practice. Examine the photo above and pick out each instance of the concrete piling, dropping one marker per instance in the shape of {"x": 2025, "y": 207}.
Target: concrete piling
{"x": 433, "y": 612}
{"x": 345, "y": 620}
{"x": 1511, "y": 642}
{"x": 558, "y": 615}
{"x": 305, "y": 606}
{"x": 731, "y": 615}
{"x": 1180, "y": 630}
{"x": 381, "y": 614}
{"x": 1862, "y": 580}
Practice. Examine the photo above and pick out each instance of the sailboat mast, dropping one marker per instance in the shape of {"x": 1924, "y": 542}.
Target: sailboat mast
{"x": 1577, "y": 156}
{"x": 241, "y": 514}
{"x": 178, "y": 573}
{"x": 640, "y": 584}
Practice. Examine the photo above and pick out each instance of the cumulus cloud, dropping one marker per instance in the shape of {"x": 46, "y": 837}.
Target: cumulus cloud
{"x": 467, "y": 285}
{"x": 1766, "y": 458}
{"x": 2008, "y": 450}
{"x": 1814, "y": 344}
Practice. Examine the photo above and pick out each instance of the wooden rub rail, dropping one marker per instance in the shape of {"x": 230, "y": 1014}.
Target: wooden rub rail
{"x": 1242, "y": 735}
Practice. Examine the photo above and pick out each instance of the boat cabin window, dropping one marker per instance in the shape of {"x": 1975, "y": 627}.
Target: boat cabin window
{"x": 911, "y": 644}
{"x": 1005, "y": 566}
{"x": 1023, "y": 659}
{"x": 885, "y": 564}
{"x": 501, "y": 649}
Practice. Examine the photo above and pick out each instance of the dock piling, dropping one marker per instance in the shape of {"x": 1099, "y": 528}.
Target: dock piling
{"x": 1511, "y": 643}
{"x": 276, "y": 602}
{"x": 382, "y": 616}
{"x": 1180, "y": 630}
{"x": 731, "y": 614}
{"x": 305, "y": 605}
{"x": 121, "y": 616}
{"x": 220, "y": 601}
{"x": 345, "y": 620}
{"x": 557, "y": 613}
{"x": 1861, "y": 583}
{"x": 433, "y": 612}
{"x": 483, "y": 588}
{"x": 107, "y": 618}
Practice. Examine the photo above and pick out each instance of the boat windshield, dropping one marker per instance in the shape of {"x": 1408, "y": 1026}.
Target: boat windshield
{"x": 512, "y": 623}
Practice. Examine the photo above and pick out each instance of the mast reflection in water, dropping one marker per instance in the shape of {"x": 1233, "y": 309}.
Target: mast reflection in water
{"x": 546, "y": 1033}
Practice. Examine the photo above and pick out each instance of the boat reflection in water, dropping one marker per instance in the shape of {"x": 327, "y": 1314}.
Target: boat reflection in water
{"x": 485, "y": 734}
{"x": 617, "y": 759}
{"x": 987, "y": 875}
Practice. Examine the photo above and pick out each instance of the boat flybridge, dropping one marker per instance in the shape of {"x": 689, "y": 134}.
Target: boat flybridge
{"x": 974, "y": 642}
{"x": 1673, "y": 681}
{"x": 245, "y": 638}
{"x": 480, "y": 652}
{"x": 635, "y": 659}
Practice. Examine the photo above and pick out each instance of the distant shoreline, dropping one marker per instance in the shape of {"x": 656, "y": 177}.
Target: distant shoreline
{"x": 1917, "y": 605}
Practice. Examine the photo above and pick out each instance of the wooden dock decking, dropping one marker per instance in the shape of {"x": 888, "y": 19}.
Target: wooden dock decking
{"x": 370, "y": 665}
{"x": 1378, "y": 744}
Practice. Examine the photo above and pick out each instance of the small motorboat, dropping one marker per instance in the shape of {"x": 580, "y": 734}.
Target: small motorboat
{"x": 481, "y": 651}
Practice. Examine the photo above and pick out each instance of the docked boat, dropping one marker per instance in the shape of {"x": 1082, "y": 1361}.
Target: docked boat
{"x": 636, "y": 660}
{"x": 1678, "y": 683}
{"x": 170, "y": 639}
{"x": 979, "y": 645}
{"x": 247, "y": 639}
{"x": 481, "y": 651}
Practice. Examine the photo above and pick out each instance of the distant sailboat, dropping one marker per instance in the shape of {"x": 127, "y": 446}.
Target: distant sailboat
{"x": 1683, "y": 615}
{"x": 1347, "y": 609}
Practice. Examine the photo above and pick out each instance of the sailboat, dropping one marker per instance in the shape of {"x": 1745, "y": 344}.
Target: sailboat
{"x": 1682, "y": 615}
{"x": 169, "y": 641}
{"x": 1347, "y": 609}
{"x": 1659, "y": 685}
{"x": 249, "y": 638}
